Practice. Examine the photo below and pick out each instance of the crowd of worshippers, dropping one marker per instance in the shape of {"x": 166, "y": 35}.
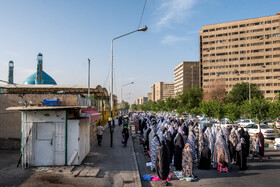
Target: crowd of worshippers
{"x": 186, "y": 144}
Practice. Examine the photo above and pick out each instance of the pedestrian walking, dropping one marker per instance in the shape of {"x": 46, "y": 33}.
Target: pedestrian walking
{"x": 125, "y": 136}
{"x": 99, "y": 133}
{"x": 256, "y": 147}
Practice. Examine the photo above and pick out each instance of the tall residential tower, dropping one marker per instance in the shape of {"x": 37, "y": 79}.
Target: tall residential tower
{"x": 242, "y": 51}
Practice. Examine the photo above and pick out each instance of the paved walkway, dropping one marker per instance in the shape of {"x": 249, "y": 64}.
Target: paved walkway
{"x": 117, "y": 164}
{"x": 104, "y": 166}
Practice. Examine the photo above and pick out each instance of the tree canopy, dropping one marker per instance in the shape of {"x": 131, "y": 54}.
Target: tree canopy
{"x": 240, "y": 93}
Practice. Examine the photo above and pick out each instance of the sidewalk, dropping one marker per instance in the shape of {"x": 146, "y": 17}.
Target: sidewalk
{"x": 117, "y": 164}
{"x": 103, "y": 166}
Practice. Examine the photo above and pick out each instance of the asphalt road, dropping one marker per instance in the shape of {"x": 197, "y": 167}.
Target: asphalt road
{"x": 264, "y": 173}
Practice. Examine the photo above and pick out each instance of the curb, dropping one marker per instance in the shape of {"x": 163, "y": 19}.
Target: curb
{"x": 138, "y": 181}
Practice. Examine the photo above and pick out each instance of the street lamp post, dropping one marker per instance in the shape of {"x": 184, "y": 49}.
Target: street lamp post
{"x": 249, "y": 76}
{"x": 122, "y": 89}
{"x": 112, "y": 47}
{"x": 88, "y": 104}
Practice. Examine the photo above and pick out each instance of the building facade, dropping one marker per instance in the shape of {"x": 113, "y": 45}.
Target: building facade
{"x": 150, "y": 96}
{"x": 242, "y": 51}
{"x": 161, "y": 91}
{"x": 186, "y": 75}
{"x": 143, "y": 100}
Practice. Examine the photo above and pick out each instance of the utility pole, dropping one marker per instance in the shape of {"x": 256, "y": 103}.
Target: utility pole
{"x": 88, "y": 82}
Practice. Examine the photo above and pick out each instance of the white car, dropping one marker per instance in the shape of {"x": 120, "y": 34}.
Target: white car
{"x": 266, "y": 130}
{"x": 245, "y": 122}
{"x": 206, "y": 120}
{"x": 226, "y": 123}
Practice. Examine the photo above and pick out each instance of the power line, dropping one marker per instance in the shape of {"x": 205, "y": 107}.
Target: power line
{"x": 106, "y": 77}
{"x": 142, "y": 14}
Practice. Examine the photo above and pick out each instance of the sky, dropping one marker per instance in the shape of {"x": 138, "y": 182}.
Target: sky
{"x": 68, "y": 32}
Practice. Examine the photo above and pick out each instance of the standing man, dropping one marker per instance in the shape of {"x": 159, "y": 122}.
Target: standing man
{"x": 125, "y": 135}
{"x": 120, "y": 120}
{"x": 99, "y": 133}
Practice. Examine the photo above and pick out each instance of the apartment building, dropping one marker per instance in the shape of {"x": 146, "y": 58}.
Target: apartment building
{"x": 242, "y": 51}
{"x": 161, "y": 91}
{"x": 150, "y": 96}
{"x": 186, "y": 75}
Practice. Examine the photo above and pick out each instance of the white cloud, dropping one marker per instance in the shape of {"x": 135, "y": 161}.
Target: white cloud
{"x": 174, "y": 11}
{"x": 169, "y": 39}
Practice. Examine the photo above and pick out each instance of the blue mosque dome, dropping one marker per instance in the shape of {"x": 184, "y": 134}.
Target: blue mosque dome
{"x": 46, "y": 79}
{"x": 39, "y": 77}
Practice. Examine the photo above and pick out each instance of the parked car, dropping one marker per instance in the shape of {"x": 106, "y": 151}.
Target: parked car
{"x": 269, "y": 122}
{"x": 277, "y": 124}
{"x": 206, "y": 124}
{"x": 245, "y": 122}
{"x": 265, "y": 129}
{"x": 226, "y": 123}
{"x": 206, "y": 120}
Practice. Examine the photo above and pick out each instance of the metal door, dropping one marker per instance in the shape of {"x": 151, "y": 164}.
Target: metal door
{"x": 44, "y": 145}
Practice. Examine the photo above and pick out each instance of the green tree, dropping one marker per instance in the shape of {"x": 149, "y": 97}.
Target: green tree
{"x": 206, "y": 109}
{"x": 124, "y": 105}
{"x": 189, "y": 99}
{"x": 240, "y": 93}
{"x": 171, "y": 104}
{"x": 160, "y": 106}
{"x": 232, "y": 112}
{"x": 195, "y": 111}
{"x": 217, "y": 109}
{"x": 134, "y": 107}
{"x": 274, "y": 111}
{"x": 258, "y": 109}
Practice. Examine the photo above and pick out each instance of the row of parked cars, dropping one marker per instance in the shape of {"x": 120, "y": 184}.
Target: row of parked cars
{"x": 250, "y": 125}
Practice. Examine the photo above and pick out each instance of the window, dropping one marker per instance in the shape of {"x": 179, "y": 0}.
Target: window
{"x": 242, "y": 32}
{"x": 234, "y": 26}
{"x": 242, "y": 65}
{"x": 243, "y": 25}
{"x": 205, "y": 30}
{"x": 267, "y": 22}
{"x": 257, "y": 30}
{"x": 221, "y": 54}
{"x": 276, "y": 35}
{"x": 257, "y": 23}
{"x": 268, "y": 29}
{"x": 269, "y": 49}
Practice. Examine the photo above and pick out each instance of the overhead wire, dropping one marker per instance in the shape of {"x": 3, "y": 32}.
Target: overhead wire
{"x": 142, "y": 14}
